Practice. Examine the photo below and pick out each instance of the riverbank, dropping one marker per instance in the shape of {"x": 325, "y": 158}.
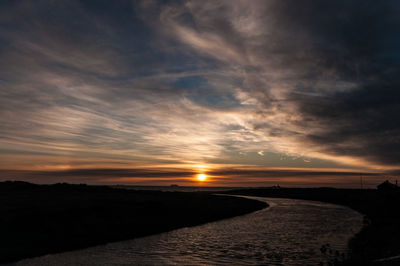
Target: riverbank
{"x": 381, "y": 233}
{"x": 287, "y": 234}
{"x": 40, "y": 219}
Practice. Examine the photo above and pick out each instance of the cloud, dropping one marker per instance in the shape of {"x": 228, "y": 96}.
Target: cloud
{"x": 232, "y": 176}
{"x": 317, "y": 78}
{"x": 75, "y": 91}
{"x": 188, "y": 82}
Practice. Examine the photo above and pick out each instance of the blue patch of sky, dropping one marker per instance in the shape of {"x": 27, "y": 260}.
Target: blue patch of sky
{"x": 192, "y": 82}
{"x": 199, "y": 91}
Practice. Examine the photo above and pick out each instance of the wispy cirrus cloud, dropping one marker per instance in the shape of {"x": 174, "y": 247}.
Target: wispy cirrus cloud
{"x": 310, "y": 84}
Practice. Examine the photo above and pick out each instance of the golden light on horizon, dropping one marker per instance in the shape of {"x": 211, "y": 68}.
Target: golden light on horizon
{"x": 201, "y": 177}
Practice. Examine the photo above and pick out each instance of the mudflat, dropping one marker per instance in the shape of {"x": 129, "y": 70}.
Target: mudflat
{"x": 41, "y": 219}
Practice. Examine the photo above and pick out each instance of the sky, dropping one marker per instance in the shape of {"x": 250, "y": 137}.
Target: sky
{"x": 250, "y": 93}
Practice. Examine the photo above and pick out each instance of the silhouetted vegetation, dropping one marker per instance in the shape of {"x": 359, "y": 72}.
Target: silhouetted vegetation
{"x": 380, "y": 236}
{"x": 41, "y": 219}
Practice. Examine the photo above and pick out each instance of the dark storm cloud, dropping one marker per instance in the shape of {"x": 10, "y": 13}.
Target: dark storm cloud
{"x": 358, "y": 41}
{"x": 363, "y": 122}
{"x": 323, "y": 75}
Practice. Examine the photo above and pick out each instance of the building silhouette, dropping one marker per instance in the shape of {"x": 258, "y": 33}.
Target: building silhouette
{"x": 387, "y": 186}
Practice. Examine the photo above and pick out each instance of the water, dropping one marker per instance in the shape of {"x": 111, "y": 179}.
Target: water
{"x": 289, "y": 232}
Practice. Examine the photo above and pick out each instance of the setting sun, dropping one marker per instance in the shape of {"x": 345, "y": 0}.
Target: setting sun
{"x": 201, "y": 177}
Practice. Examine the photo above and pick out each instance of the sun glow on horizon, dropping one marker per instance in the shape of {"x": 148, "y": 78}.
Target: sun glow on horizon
{"x": 201, "y": 177}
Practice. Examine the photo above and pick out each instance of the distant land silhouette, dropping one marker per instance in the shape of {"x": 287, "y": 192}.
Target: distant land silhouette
{"x": 41, "y": 219}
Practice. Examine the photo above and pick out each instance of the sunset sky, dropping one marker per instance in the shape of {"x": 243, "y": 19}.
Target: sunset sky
{"x": 249, "y": 93}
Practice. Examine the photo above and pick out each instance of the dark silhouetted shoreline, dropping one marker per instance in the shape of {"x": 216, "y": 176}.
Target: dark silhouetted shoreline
{"x": 41, "y": 219}
{"x": 381, "y": 233}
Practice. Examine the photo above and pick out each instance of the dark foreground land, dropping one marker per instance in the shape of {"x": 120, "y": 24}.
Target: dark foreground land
{"x": 41, "y": 219}
{"x": 380, "y": 237}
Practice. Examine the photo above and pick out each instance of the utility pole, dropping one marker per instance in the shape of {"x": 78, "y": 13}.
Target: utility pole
{"x": 361, "y": 181}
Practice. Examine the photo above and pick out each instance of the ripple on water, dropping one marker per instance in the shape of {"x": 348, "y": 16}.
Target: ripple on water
{"x": 289, "y": 232}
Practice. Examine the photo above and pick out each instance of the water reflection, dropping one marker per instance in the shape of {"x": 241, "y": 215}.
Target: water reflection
{"x": 289, "y": 232}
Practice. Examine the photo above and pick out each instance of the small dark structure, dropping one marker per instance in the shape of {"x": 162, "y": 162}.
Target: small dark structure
{"x": 387, "y": 186}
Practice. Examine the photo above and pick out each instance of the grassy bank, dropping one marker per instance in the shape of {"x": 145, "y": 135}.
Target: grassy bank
{"x": 41, "y": 219}
{"x": 381, "y": 233}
